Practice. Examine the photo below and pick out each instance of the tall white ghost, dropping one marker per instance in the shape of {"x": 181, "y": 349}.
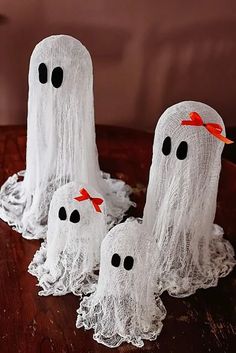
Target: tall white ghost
{"x": 123, "y": 308}
{"x": 189, "y": 251}
{"x": 61, "y": 143}
{"x": 68, "y": 259}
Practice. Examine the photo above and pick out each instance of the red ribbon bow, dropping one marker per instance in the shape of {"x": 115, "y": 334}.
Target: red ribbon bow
{"x": 95, "y": 200}
{"x": 214, "y": 129}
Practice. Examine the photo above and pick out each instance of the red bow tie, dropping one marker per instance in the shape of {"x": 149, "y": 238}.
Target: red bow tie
{"x": 95, "y": 200}
{"x": 214, "y": 129}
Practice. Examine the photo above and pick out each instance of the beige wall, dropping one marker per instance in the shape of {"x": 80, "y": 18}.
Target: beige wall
{"x": 146, "y": 54}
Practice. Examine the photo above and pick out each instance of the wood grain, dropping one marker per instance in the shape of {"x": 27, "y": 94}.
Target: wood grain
{"x": 204, "y": 322}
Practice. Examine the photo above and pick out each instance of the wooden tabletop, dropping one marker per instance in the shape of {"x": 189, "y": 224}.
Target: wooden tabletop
{"x": 204, "y": 322}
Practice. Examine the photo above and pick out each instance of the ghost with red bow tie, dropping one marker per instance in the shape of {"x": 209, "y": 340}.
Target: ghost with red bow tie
{"x": 68, "y": 259}
{"x": 187, "y": 249}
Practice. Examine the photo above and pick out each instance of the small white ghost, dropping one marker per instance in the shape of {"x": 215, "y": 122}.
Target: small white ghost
{"x": 61, "y": 143}
{"x": 123, "y": 308}
{"x": 67, "y": 261}
{"x": 188, "y": 250}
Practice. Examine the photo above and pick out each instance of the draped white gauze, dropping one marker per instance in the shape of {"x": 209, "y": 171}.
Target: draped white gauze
{"x": 68, "y": 259}
{"x": 61, "y": 143}
{"x": 188, "y": 250}
{"x": 123, "y": 308}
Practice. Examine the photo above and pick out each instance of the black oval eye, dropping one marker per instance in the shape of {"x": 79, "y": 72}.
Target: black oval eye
{"x": 57, "y": 77}
{"x": 166, "y": 147}
{"x": 115, "y": 260}
{"x": 182, "y": 150}
{"x": 62, "y": 214}
{"x": 75, "y": 216}
{"x": 128, "y": 263}
{"x": 43, "y": 73}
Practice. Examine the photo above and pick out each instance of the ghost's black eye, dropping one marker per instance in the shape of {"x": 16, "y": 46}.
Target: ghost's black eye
{"x": 62, "y": 214}
{"x": 57, "y": 77}
{"x": 128, "y": 263}
{"x": 43, "y": 73}
{"x": 115, "y": 260}
{"x": 182, "y": 150}
{"x": 166, "y": 147}
{"x": 75, "y": 216}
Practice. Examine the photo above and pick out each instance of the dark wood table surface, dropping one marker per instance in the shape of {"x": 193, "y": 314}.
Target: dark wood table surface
{"x": 204, "y": 322}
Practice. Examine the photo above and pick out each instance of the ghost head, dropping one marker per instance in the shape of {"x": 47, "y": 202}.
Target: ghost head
{"x": 67, "y": 261}
{"x": 189, "y": 251}
{"x": 60, "y": 137}
{"x": 123, "y": 308}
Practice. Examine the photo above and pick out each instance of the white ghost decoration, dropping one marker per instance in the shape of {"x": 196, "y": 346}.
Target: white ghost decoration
{"x": 67, "y": 261}
{"x": 61, "y": 143}
{"x": 188, "y": 250}
{"x": 123, "y": 308}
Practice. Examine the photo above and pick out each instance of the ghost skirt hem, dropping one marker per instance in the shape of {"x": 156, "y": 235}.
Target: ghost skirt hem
{"x": 120, "y": 200}
{"x": 13, "y": 205}
{"x": 64, "y": 280}
{"x": 12, "y": 201}
{"x": 107, "y": 333}
{"x": 221, "y": 263}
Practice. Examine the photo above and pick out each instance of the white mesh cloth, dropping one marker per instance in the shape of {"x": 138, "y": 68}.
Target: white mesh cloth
{"x": 61, "y": 143}
{"x": 123, "y": 308}
{"x": 189, "y": 251}
{"x": 68, "y": 259}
